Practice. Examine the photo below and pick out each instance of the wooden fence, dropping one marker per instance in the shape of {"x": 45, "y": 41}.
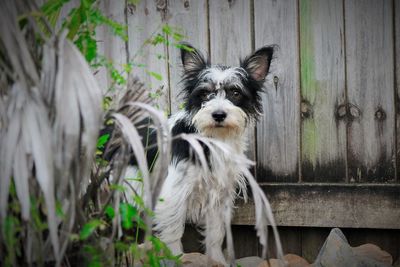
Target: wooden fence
{"x": 327, "y": 147}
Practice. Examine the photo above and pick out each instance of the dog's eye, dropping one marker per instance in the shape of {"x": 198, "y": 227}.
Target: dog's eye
{"x": 211, "y": 96}
{"x": 236, "y": 94}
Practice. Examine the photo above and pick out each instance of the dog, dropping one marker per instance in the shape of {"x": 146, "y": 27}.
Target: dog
{"x": 221, "y": 103}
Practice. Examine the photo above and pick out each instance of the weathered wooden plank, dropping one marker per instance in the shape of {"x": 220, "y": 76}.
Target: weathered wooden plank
{"x": 278, "y": 129}
{"x": 290, "y": 239}
{"x": 397, "y": 80}
{"x": 112, "y": 47}
{"x": 191, "y": 240}
{"x": 191, "y": 17}
{"x": 330, "y": 205}
{"x": 312, "y": 239}
{"x": 150, "y": 61}
{"x": 230, "y": 31}
{"x": 369, "y": 58}
{"x": 230, "y": 39}
{"x": 245, "y": 241}
{"x": 322, "y": 79}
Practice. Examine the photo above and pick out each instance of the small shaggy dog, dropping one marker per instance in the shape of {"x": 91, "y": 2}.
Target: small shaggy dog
{"x": 221, "y": 103}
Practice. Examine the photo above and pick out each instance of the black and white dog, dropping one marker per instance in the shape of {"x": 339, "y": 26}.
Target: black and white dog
{"x": 221, "y": 103}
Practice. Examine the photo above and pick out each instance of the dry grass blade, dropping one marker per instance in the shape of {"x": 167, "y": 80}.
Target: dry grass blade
{"x": 164, "y": 144}
{"x": 77, "y": 104}
{"x": 264, "y": 217}
{"x": 133, "y": 138}
{"x": 197, "y": 148}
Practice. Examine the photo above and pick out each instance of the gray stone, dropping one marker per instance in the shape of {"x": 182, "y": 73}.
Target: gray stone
{"x": 199, "y": 260}
{"x": 249, "y": 261}
{"x": 336, "y": 251}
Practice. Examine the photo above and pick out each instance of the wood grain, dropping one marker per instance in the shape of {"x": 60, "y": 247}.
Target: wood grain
{"x": 230, "y": 31}
{"x": 245, "y": 241}
{"x": 145, "y": 21}
{"x": 278, "y": 129}
{"x": 112, "y": 47}
{"x": 322, "y": 77}
{"x": 329, "y": 205}
{"x": 190, "y": 16}
{"x": 290, "y": 238}
{"x": 230, "y": 39}
{"x": 369, "y": 58}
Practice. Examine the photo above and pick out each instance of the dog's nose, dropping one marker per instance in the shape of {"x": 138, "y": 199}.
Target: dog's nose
{"x": 219, "y": 115}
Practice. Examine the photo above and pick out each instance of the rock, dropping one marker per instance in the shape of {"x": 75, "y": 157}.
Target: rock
{"x": 374, "y": 252}
{"x": 272, "y": 263}
{"x": 249, "y": 261}
{"x": 337, "y": 252}
{"x": 294, "y": 260}
{"x": 199, "y": 260}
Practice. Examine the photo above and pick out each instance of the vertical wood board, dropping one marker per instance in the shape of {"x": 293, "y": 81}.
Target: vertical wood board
{"x": 245, "y": 241}
{"x": 278, "y": 129}
{"x": 230, "y": 31}
{"x": 111, "y": 46}
{"x": 190, "y": 16}
{"x": 145, "y": 20}
{"x": 322, "y": 78}
{"x": 230, "y": 39}
{"x": 369, "y": 58}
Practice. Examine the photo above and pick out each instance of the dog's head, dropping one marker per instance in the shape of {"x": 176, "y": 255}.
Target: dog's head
{"x": 222, "y": 99}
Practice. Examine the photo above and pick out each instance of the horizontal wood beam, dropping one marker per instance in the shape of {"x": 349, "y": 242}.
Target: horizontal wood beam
{"x": 329, "y": 205}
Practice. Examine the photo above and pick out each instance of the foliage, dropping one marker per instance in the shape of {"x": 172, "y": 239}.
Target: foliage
{"x": 88, "y": 229}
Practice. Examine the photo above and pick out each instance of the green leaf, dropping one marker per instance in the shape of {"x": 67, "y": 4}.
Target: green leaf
{"x": 117, "y": 187}
{"x": 88, "y": 229}
{"x": 59, "y": 210}
{"x": 102, "y": 140}
{"x": 121, "y": 246}
{"x": 135, "y": 2}
{"x": 155, "y": 75}
{"x": 109, "y": 211}
{"x": 184, "y": 47}
{"x": 129, "y": 215}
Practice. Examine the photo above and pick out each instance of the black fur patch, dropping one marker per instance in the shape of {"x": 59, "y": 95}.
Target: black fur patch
{"x": 181, "y": 148}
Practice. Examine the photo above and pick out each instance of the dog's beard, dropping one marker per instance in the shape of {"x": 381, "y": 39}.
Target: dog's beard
{"x": 232, "y": 127}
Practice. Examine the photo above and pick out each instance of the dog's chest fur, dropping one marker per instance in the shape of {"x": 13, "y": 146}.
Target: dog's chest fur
{"x": 222, "y": 181}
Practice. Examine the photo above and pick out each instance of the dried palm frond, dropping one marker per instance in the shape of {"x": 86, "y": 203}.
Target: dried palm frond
{"x": 52, "y": 117}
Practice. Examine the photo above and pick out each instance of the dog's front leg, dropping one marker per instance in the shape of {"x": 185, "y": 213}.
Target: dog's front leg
{"x": 170, "y": 213}
{"x": 214, "y": 234}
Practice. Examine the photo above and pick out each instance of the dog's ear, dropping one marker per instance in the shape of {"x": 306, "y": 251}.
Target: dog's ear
{"x": 192, "y": 59}
{"x": 257, "y": 64}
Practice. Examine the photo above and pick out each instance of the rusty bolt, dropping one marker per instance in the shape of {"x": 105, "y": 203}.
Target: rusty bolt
{"x": 186, "y": 4}
{"x": 305, "y": 108}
